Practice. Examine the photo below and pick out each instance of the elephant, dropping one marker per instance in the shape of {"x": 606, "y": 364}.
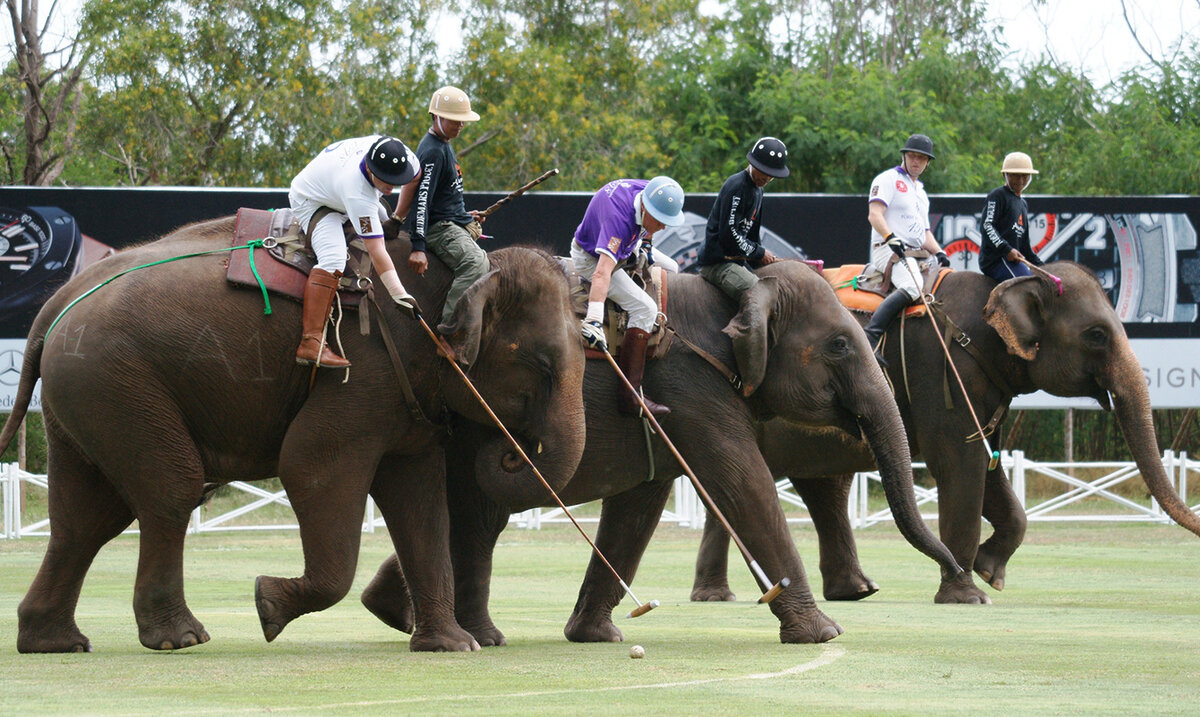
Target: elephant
{"x": 801, "y": 356}
{"x": 168, "y": 378}
{"x": 1031, "y": 338}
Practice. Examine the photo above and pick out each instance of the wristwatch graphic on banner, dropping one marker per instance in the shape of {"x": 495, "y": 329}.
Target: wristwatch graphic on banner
{"x": 40, "y": 249}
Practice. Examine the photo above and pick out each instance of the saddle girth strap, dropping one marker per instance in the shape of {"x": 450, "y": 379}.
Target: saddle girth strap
{"x": 410, "y": 398}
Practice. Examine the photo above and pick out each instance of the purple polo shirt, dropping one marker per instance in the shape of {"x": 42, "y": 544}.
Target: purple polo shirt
{"x": 609, "y": 225}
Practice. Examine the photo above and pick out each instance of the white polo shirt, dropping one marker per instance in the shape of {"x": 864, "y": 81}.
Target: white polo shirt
{"x": 335, "y": 179}
{"x": 907, "y": 213}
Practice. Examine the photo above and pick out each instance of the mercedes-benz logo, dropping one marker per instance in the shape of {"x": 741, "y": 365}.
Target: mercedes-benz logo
{"x": 10, "y": 367}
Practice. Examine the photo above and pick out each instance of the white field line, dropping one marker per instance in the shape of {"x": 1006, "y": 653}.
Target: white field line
{"x": 828, "y": 655}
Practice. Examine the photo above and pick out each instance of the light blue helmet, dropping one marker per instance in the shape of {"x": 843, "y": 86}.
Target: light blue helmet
{"x": 663, "y": 198}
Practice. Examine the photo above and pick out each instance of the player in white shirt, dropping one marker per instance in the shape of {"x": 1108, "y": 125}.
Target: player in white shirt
{"x": 349, "y": 178}
{"x": 899, "y": 218}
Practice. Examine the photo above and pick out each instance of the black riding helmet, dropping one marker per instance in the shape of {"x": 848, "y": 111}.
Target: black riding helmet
{"x": 391, "y": 161}
{"x": 920, "y": 144}
{"x": 769, "y": 156}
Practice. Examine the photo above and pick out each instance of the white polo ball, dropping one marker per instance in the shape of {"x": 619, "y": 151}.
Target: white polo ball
{"x": 637, "y": 652}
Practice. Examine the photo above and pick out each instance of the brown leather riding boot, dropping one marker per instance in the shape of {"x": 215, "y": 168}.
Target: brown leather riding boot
{"x": 318, "y": 298}
{"x": 633, "y": 365}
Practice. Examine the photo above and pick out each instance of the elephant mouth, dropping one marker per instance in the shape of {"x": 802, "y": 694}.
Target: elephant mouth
{"x": 511, "y": 461}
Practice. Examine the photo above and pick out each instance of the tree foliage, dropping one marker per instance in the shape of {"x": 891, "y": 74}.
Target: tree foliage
{"x": 243, "y": 93}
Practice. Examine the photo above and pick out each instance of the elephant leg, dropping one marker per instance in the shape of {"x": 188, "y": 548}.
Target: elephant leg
{"x": 1003, "y": 510}
{"x": 627, "y": 521}
{"x": 411, "y": 493}
{"x": 751, "y": 506}
{"x": 165, "y": 484}
{"x": 85, "y": 513}
{"x": 959, "y": 472}
{"x": 387, "y": 597}
{"x": 827, "y": 499}
{"x": 476, "y": 523}
{"x": 711, "y": 583}
{"x": 326, "y": 482}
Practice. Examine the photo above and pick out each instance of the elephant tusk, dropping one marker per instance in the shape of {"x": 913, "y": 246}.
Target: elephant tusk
{"x": 539, "y": 448}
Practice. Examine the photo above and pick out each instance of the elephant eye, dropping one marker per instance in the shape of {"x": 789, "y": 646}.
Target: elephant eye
{"x": 839, "y": 346}
{"x": 1096, "y": 337}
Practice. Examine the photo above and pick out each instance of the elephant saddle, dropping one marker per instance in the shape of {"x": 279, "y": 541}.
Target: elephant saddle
{"x": 859, "y": 294}
{"x": 283, "y": 268}
{"x": 616, "y": 319}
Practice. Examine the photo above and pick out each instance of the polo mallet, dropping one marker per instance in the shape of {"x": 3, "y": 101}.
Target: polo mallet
{"x": 993, "y": 455}
{"x": 514, "y": 194}
{"x": 444, "y": 349}
{"x": 1039, "y": 270}
{"x": 772, "y": 591}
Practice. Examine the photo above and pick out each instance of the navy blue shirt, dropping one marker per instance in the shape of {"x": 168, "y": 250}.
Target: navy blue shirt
{"x": 733, "y": 227}
{"x": 439, "y": 192}
{"x": 1004, "y": 226}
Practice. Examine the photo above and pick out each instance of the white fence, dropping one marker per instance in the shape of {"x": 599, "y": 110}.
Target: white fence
{"x": 688, "y": 510}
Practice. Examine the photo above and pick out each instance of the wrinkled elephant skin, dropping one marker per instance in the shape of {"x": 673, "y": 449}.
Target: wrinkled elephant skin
{"x": 168, "y": 379}
{"x": 1068, "y": 345}
{"x": 800, "y": 355}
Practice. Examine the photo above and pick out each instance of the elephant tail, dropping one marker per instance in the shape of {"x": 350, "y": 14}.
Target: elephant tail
{"x": 30, "y": 372}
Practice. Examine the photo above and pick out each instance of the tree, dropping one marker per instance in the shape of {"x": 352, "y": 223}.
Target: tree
{"x": 46, "y": 72}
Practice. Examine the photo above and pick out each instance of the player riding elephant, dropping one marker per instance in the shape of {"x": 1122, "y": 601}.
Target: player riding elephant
{"x": 1025, "y": 337}
{"x": 801, "y": 356}
{"x": 168, "y": 378}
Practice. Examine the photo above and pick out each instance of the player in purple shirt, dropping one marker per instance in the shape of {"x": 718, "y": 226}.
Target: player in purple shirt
{"x": 621, "y": 219}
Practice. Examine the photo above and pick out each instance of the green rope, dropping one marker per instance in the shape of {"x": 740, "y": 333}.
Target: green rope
{"x": 251, "y": 245}
{"x": 853, "y": 282}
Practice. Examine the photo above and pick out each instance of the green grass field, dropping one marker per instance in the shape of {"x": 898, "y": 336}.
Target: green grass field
{"x": 1095, "y": 619}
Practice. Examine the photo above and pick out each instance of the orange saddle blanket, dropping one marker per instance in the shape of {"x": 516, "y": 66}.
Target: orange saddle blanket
{"x": 844, "y": 281}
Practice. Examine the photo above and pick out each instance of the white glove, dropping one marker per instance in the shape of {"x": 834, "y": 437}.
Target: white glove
{"x": 593, "y": 335}
{"x": 407, "y": 303}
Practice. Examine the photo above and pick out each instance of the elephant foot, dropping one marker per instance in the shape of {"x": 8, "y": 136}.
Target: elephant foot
{"x": 850, "y": 587}
{"x": 485, "y": 632}
{"x": 814, "y": 627}
{"x": 583, "y": 627}
{"x": 48, "y": 637}
{"x": 447, "y": 638}
{"x": 176, "y": 634}
{"x": 269, "y": 597}
{"x": 712, "y": 593}
{"x": 394, "y": 609}
{"x": 990, "y": 567}
{"x": 961, "y": 589}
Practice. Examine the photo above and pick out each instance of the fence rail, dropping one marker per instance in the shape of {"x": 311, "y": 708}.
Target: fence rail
{"x": 688, "y": 510}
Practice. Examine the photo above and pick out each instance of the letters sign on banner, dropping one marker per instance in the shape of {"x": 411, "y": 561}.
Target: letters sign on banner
{"x": 1142, "y": 249}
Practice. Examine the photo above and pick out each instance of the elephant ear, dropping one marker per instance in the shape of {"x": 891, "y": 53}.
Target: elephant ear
{"x": 1016, "y": 310}
{"x": 750, "y": 331}
{"x": 465, "y": 327}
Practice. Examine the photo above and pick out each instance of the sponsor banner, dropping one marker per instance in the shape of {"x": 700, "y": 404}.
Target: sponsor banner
{"x": 1171, "y": 368}
{"x": 12, "y": 353}
{"x": 1143, "y": 250}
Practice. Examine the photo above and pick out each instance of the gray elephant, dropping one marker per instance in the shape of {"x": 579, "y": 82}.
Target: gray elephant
{"x": 1026, "y": 337}
{"x": 169, "y": 378}
{"x": 801, "y": 356}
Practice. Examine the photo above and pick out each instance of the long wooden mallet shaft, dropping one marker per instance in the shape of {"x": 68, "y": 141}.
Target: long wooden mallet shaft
{"x": 1039, "y": 270}
{"x": 444, "y": 349}
{"x": 514, "y": 194}
{"x": 993, "y": 455}
{"x": 772, "y": 591}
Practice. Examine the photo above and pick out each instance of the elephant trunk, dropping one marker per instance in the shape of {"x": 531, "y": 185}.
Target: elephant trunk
{"x": 509, "y": 480}
{"x": 1131, "y": 401}
{"x": 884, "y": 431}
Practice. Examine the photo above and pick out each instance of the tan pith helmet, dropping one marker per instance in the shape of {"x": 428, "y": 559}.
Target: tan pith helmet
{"x": 1017, "y": 163}
{"x": 452, "y": 103}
